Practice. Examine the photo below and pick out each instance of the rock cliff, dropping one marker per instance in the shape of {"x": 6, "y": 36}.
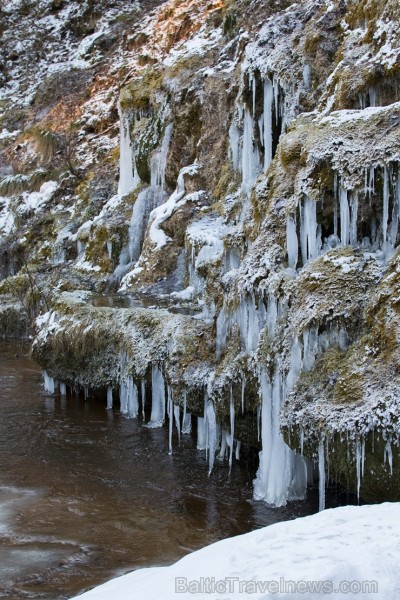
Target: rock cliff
{"x": 199, "y": 207}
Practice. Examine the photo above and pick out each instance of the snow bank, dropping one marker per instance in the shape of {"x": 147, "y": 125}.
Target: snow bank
{"x": 349, "y": 551}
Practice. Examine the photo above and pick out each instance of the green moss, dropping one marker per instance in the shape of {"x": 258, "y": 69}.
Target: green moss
{"x": 16, "y": 286}
{"x": 229, "y": 24}
{"x": 96, "y": 249}
{"x": 312, "y": 42}
{"x": 138, "y": 94}
{"x": 13, "y": 318}
{"x": 227, "y": 182}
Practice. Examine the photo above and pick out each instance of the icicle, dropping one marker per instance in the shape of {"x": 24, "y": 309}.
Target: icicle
{"x": 310, "y": 246}
{"x": 128, "y": 178}
{"x": 344, "y": 218}
{"x": 267, "y": 124}
{"x": 250, "y": 156}
{"x": 223, "y": 447}
{"x": 63, "y": 389}
{"x": 327, "y": 462}
{"x": 109, "y": 249}
{"x": 372, "y": 97}
{"x": 366, "y": 190}
{"x": 140, "y": 212}
{"x": 232, "y": 422}
{"x": 275, "y": 85}
{"x": 201, "y": 433}
{"x": 221, "y": 326}
{"x": 362, "y": 457}
{"x": 388, "y": 453}
{"x": 272, "y": 313}
{"x": 48, "y": 383}
{"x": 395, "y": 213}
{"x": 254, "y": 86}
{"x": 143, "y": 394}
{"x": 295, "y": 365}
{"x": 371, "y": 181}
{"x": 385, "y": 216}
{"x": 258, "y": 423}
{"x": 158, "y": 161}
{"x": 335, "y": 183}
{"x": 86, "y": 392}
{"x": 222, "y": 451}
{"x": 157, "y": 398}
{"x": 234, "y": 146}
{"x": 123, "y": 398}
{"x": 177, "y": 415}
{"x": 335, "y": 208}
{"x": 132, "y": 398}
{"x": 358, "y": 467}
{"x": 321, "y": 470}
{"x": 353, "y": 221}
{"x": 301, "y": 441}
{"x": 109, "y": 398}
{"x": 292, "y": 243}
{"x": 282, "y": 474}
{"x": 243, "y": 389}
{"x": 171, "y": 420}
{"x": 237, "y": 452}
{"x": 186, "y": 420}
{"x": 307, "y": 76}
{"x": 212, "y": 434}
{"x": 251, "y": 332}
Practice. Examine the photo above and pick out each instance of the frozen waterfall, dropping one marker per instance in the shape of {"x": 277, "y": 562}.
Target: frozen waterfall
{"x": 282, "y": 475}
{"x": 149, "y": 198}
{"x": 128, "y": 177}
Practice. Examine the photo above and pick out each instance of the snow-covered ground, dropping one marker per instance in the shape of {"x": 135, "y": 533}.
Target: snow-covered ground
{"x": 344, "y": 552}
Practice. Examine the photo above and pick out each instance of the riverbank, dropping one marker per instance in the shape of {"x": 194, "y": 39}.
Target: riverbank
{"x": 339, "y": 552}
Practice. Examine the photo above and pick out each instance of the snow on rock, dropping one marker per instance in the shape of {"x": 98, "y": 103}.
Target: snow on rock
{"x": 6, "y": 216}
{"x": 195, "y": 45}
{"x": 163, "y": 212}
{"x": 349, "y": 550}
{"x": 207, "y": 235}
{"x": 37, "y": 200}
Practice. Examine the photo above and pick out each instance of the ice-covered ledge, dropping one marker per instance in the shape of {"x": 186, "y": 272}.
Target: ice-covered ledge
{"x": 349, "y": 550}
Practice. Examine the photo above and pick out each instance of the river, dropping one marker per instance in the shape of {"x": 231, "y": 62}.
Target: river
{"x": 86, "y": 494}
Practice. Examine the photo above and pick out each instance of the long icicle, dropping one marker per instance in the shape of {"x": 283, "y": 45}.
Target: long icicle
{"x": 232, "y": 432}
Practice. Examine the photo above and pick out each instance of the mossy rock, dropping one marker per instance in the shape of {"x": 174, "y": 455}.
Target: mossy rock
{"x": 138, "y": 94}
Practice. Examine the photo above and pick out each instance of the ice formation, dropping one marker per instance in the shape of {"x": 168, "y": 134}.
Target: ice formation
{"x": 48, "y": 383}
{"x": 149, "y": 198}
{"x": 267, "y": 122}
{"x": 282, "y": 474}
{"x": 157, "y": 397}
{"x": 128, "y": 177}
{"x": 250, "y": 166}
{"x": 376, "y": 207}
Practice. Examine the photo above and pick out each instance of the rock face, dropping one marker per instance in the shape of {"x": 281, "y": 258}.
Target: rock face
{"x": 201, "y": 200}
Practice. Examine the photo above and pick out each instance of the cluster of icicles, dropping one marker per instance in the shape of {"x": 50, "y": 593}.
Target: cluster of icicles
{"x": 323, "y": 462}
{"x": 348, "y": 209}
{"x": 210, "y": 436}
{"x": 243, "y": 149}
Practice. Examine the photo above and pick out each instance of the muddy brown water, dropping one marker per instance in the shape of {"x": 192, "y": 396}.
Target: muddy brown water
{"x": 86, "y": 494}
